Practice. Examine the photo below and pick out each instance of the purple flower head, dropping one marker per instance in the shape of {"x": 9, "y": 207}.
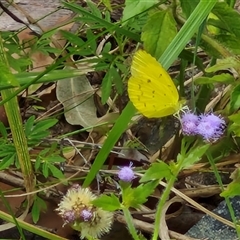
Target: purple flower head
{"x": 69, "y": 216}
{"x": 189, "y": 123}
{"x": 86, "y": 215}
{"x": 211, "y": 127}
{"x": 126, "y": 174}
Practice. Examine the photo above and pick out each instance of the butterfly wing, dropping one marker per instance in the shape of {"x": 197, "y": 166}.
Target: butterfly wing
{"x": 150, "y": 88}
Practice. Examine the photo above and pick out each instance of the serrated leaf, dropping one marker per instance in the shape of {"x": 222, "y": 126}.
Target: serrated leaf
{"x": 221, "y": 78}
{"x": 229, "y": 17}
{"x": 133, "y": 197}
{"x": 134, "y": 7}
{"x": 157, "y": 171}
{"x": 232, "y": 190}
{"x": 223, "y": 64}
{"x": 76, "y": 95}
{"x": 194, "y": 156}
{"x": 107, "y": 203}
{"x": 158, "y": 32}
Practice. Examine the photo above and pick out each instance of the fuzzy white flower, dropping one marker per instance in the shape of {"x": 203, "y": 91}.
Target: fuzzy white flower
{"x": 76, "y": 208}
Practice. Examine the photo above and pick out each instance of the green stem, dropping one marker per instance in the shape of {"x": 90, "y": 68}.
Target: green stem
{"x": 129, "y": 220}
{"x": 161, "y": 203}
{"x": 15, "y": 123}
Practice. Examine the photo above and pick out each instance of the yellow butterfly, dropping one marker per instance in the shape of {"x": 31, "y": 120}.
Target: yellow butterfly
{"x": 150, "y": 87}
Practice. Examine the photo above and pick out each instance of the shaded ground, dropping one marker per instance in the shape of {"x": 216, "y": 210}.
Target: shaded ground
{"x": 37, "y": 9}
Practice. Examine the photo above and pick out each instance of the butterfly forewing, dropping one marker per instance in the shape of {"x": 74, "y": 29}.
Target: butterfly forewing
{"x": 150, "y": 88}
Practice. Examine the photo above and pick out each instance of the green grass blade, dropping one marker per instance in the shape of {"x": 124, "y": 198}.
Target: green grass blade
{"x": 186, "y": 32}
{"x": 119, "y": 127}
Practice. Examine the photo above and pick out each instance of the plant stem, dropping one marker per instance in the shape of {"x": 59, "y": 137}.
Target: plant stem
{"x": 161, "y": 203}
{"x": 16, "y": 126}
{"x": 130, "y": 224}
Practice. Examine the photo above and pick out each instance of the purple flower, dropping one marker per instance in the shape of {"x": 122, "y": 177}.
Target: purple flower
{"x": 189, "y": 123}
{"x": 69, "y": 216}
{"x": 126, "y": 174}
{"x": 86, "y": 215}
{"x": 211, "y": 127}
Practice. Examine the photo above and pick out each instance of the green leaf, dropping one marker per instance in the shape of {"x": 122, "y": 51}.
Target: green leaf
{"x": 93, "y": 44}
{"x": 6, "y": 77}
{"x": 119, "y": 127}
{"x": 38, "y": 206}
{"x": 45, "y": 170}
{"x": 3, "y": 131}
{"x": 157, "y": 171}
{"x": 37, "y": 163}
{"x": 222, "y": 78}
{"x": 7, "y": 161}
{"x": 44, "y": 125}
{"x": 194, "y": 156}
{"x": 224, "y": 64}
{"x": 233, "y": 189}
{"x": 235, "y": 128}
{"x": 229, "y": 17}
{"x": 116, "y": 78}
{"x": 29, "y": 125}
{"x": 135, "y": 7}
{"x": 56, "y": 172}
{"x": 110, "y": 26}
{"x": 106, "y": 85}
{"x": 94, "y": 9}
{"x": 188, "y": 6}
{"x": 235, "y": 98}
{"x": 108, "y": 203}
{"x": 55, "y": 159}
{"x": 133, "y": 197}
{"x": 72, "y": 38}
{"x": 230, "y": 42}
{"x": 159, "y": 30}
{"x": 235, "y": 118}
